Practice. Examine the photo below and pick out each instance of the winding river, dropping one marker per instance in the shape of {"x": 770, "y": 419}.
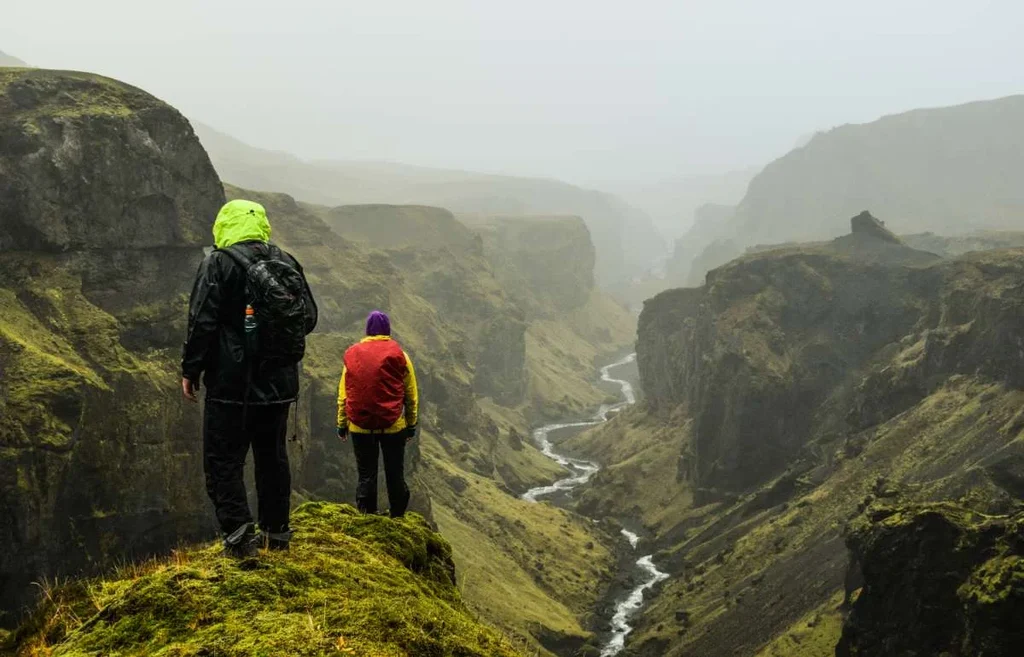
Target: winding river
{"x": 581, "y": 472}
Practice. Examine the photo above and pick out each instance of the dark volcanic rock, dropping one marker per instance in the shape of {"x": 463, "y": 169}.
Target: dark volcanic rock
{"x": 90, "y": 163}
{"x": 866, "y": 225}
{"x": 937, "y": 580}
{"x": 105, "y": 198}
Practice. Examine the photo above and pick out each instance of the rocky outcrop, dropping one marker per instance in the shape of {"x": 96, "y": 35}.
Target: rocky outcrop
{"x": 106, "y": 197}
{"x": 936, "y": 580}
{"x": 867, "y": 227}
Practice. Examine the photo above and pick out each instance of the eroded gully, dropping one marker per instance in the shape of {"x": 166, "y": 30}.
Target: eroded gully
{"x": 581, "y": 472}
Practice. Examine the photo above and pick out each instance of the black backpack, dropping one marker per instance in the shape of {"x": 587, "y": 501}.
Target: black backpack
{"x": 277, "y": 291}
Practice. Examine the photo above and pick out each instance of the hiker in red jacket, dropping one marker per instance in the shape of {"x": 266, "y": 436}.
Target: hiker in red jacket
{"x": 378, "y": 405}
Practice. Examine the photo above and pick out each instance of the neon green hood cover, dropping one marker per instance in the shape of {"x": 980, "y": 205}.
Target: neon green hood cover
{"x": 240, "y": 221}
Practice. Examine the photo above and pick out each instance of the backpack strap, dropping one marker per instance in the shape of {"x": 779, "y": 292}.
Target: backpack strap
{"x": 242, "y": 259}
{"x": 239, "y": 255}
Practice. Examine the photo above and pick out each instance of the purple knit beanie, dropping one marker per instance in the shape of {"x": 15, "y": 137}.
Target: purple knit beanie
{"x": 378, "y": 324}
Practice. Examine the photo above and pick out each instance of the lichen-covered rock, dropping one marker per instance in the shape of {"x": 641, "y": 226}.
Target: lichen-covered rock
{"x": 937, "y": 580}
{"x": 90, "y": 163}
{"x": 105, "y": 198}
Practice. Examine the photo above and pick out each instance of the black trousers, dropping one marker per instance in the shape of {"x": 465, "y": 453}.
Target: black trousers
{"x": 392, "y": 447}
{"x": 225, "y": 445}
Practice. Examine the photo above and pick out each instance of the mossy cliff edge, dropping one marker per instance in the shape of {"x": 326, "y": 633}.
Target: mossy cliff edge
{"x": 936, "y": 579}
{"x": 351, "y": 585}
{"x": 796, "y": 388}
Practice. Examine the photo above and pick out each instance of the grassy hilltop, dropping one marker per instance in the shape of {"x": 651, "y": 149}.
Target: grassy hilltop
{"x": 351, "y": 585}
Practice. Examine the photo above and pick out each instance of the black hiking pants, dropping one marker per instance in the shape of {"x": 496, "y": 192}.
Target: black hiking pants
{"x": 392, "y": 447}
{"x": 225, "y": 445}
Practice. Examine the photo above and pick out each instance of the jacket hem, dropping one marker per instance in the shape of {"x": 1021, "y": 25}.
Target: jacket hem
{"x": 233, "y": 402}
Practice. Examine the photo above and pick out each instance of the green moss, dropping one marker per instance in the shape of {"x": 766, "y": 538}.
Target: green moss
{"x": 71, "y": 94}
{"x": 995, "y": 581}
{"x": 352, "y": 584}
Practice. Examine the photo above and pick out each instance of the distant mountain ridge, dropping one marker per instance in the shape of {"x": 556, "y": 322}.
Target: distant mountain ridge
{"x": 948, "y": 170}
{"x": 10, "y": 60}
{"x": 674, "y": 202}
{"x": 625, "y": 237}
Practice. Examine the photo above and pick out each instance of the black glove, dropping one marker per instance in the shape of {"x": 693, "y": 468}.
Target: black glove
{"x": 343, "y": 433}
{"x": 410, "y": 432}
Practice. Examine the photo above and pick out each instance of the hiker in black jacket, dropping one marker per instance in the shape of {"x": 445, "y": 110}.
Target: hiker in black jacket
{"x": 249, "y": 313}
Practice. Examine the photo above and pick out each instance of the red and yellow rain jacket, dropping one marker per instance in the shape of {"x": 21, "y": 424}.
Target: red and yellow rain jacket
{"x": 378, "y": 387}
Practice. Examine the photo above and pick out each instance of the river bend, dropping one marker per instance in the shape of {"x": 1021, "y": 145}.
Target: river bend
{"x": 580, "y": 473}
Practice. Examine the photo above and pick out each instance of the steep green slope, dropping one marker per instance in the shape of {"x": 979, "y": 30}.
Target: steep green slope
{"x": 624, "y": 237}
{"x": 106, "y": 200}
{"x": 782, "y": 399}
{"x": 351, "y": 585}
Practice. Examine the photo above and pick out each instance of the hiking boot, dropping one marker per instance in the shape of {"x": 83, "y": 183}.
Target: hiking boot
{"x": 242, "y": 543}
{"x": 277, "y": 541}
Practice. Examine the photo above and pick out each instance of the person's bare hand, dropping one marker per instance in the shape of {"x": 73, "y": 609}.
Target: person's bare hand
{"x": 189, "y": 390}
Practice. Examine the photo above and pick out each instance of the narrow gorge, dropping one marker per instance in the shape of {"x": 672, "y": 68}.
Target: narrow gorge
{"x": 810, "y": 412}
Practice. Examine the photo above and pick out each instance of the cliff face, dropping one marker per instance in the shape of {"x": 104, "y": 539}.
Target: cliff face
{"x": 937, "y": 580}
{"x": 546, "y": 263}
{"x": 754, "y": 354}
{"x": 105, "y": 199}
{"x": 401, "y": 226}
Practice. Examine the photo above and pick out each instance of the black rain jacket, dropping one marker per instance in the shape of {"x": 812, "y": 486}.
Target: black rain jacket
{"x": 215, "y": 346}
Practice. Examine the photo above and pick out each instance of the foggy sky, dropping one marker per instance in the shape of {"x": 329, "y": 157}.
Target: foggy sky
{"x": 583, "y": 90}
